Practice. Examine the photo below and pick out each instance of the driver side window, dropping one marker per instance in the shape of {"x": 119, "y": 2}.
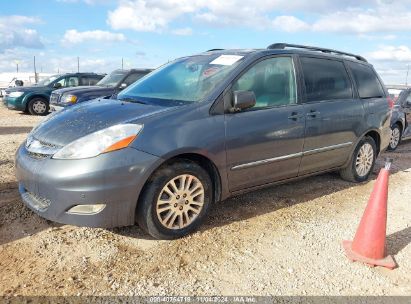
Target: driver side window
{"x": 62, "y": 82}
{"x": 272, "y": 81}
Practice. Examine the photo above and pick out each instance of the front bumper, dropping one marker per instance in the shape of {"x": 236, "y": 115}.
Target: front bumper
{"x": 14, "y": 103}
{"x": 50, "y": 187}
{"x": 56, "y": 108}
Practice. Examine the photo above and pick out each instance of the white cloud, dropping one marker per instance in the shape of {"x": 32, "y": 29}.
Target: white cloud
{"x": 75, "y": 37}
{"x": 289, "y": 24}
{"x": 391, "y": 53}
{"x": 186, "y": 31}
{"x": 141, "y": 15}
{"x": 14, "y": 32}
{"x": 360, "y": 21}
{"x": 358, "y": 17}
{"x": 391, "y": 62}
{"x": 9, "y": 59}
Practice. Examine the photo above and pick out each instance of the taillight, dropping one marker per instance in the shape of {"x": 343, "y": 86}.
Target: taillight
{"x": 391, "y": 102}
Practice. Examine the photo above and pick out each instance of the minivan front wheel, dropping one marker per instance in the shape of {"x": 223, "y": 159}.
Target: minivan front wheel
{"x": 362, "y": 161}
{"x": 38, "y": 106}
{"x": 175, "y": 200}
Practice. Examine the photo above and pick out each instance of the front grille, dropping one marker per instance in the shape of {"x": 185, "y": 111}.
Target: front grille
{"x": 40, "y": 149}
{"x": 38, "y": 155}
{"x": 54, "y": 98}
{"x": 46, "y": 144}
{"x": 37, "y": 202}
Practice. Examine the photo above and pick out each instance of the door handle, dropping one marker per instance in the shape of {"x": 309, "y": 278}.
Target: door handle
{"x": 313, "y": 113}
{"x": 294, "y": 116}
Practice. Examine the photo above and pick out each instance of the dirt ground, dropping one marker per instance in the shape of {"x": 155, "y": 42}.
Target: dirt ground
{"x": 283, "y": 240}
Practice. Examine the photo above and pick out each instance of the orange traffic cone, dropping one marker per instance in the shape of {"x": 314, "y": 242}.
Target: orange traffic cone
{"x": 369, "y": 241}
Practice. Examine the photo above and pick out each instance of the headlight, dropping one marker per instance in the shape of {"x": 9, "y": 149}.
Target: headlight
{"x": 70, "y": 99}
{"x": 111, "y": 139}
{"x": 16, "y": 94}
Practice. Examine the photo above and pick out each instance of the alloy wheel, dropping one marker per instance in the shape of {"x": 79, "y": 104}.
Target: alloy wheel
{"x": 365, "y": 159}
{"x": 395, "y": 137}
{"x": 39, "y": 106}
{"x": 180, "y": 201}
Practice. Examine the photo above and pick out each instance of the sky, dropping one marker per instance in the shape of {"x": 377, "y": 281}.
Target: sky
{"x": 148, "y": 33}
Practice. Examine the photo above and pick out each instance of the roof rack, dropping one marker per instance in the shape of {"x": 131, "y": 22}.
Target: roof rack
{"x": 211, "y": 50}
{"x": 281, "y": 46}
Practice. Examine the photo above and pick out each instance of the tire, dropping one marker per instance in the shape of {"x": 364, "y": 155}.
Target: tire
{"x": 395, "y": 139}
{"x": 38, "y": 106}
{"x": 355, "y": 173}
{"x": 181, "y": 212}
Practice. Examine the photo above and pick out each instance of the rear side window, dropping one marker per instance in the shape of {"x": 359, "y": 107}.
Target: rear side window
{"x": 132, "y": 78}
{"x": 366, "y": 80}
{"x": 89, "y": 80}
{"x": 325, "y": 79}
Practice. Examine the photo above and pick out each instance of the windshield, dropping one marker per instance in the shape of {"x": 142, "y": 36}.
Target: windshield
{"x": 185, "y": 80}
{"x": 47, "y": 80}
{"x": 112, "y": 79}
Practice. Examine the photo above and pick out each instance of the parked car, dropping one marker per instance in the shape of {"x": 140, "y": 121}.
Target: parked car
{"x": 401, "y": 120}
{"x": 201, "y": 129}
{"x": 13, "y": 83}
{"x": 106, "y": 87}
{"x": 394, "y": 93}
{"x": 35, "y": 99}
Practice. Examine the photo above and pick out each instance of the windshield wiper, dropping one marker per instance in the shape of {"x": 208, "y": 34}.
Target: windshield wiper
{"x": 130, "y": 99}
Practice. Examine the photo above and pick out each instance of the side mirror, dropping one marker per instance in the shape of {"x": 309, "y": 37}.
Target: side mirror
{"x": 19, "y": 83}
{"x": 243, "y": 100}
{"x": 407, "y": 103}
{"x": 123, "y": 85}
{"x": 57, "y": 85}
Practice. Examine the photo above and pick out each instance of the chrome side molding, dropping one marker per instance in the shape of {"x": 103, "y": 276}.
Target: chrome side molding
{"x": 289, "y": 156}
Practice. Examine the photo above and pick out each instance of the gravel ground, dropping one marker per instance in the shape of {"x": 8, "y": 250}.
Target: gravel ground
{"x": 283, "y": 240}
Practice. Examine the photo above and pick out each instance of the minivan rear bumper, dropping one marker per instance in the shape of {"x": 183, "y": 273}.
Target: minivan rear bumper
{"x": 51, "y": 187}
{"x": 385, "y": 138}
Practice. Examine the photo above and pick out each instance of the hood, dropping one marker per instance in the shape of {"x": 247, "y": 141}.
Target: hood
{"x": 75, "y": 90}
{"x": 27, "y": 89}
{"x": 77, "y": 121}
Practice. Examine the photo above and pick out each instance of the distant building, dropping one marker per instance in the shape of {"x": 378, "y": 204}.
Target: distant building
{"x": 7, "y": 79}
{"x": 397, "y": 86}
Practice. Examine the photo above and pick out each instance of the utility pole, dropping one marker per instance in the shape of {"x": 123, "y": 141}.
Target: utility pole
{"x": 35, "y": 71}
{"x": 78, "y": 64}
{"x": 406, "y": 77}
{"x": 17, "y": 65}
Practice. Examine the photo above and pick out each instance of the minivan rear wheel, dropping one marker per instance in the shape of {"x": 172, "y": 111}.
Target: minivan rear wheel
{"x": 175, "y": 200}
{"x": 362, "y": 161}
{"x": 395, "y": 137}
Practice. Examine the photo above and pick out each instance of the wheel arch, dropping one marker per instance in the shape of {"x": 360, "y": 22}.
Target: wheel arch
{"x": 400, "y": 123}
{"x": 204, "y": 162}
{"x": 32, "y": 96}
{"x": 375, "y": 135}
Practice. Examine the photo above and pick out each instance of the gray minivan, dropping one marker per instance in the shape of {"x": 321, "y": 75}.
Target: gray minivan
{"x": 201, "y": 129}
